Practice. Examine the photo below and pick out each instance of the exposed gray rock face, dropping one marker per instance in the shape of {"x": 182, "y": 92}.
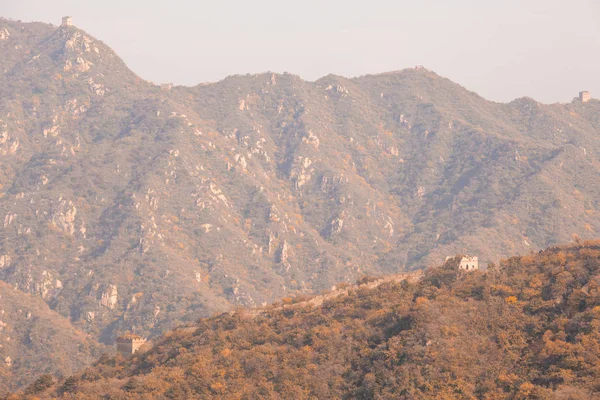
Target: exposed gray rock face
{"x": 109, "y": 297}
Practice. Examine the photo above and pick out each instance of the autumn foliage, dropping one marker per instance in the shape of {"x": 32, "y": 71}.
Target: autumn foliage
{"x": 527, "y": 328}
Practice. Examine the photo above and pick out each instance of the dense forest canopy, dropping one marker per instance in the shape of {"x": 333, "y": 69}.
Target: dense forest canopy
{"x": 526, "y": 328}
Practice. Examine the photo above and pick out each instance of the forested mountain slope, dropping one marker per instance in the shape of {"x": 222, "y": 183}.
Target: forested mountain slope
{"x": 527, "y": 328}
{"x": 128, "y": 207}
{"x": 35, "y": 340}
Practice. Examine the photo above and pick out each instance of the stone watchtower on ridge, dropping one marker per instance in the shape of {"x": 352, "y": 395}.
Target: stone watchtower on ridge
{"x": 468, "y": 263}
{"x": 67, "y": 21}
{"x": 129, "y": 344}
{"x": 585, "y": 96}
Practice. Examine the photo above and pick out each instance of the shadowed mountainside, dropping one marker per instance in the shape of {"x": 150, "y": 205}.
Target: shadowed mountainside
{"x": 35, "y": 340}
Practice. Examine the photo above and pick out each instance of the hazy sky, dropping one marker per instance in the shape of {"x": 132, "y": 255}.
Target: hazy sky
{"x": 545, "y": 49}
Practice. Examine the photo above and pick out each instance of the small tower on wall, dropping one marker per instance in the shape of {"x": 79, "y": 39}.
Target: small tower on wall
{"x": 585, "y": 96}
{"x": 129, "y": 344}
{"x": 67, "y": 21}
{"x": 468, "y": 263}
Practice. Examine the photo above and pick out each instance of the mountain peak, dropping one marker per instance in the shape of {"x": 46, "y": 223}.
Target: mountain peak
{"x": 62, "y": 55}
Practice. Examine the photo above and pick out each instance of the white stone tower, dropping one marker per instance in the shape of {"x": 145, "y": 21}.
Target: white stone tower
{"x": 585, "y": 96}
{"x": 67, "y": 21}
{"x": 468, "y": 263}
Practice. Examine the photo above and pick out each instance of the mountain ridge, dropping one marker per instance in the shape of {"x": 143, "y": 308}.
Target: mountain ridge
{"x": 279, "y": 74}
{"x": 127, "y": 207}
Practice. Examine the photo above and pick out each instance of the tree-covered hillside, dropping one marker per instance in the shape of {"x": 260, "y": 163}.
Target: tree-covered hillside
{"x": 35, "y": 340}
{"x": 527, "y": 328}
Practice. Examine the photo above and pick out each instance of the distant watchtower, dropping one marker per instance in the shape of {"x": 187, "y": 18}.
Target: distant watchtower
{"x": 585, "y": 96}
{"x": 129, "y": 344}
{"x": 67, "y": 21}
{"x": 468, "y": 263}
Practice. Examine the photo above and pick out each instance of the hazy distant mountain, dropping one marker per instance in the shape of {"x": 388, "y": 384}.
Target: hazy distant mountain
{"x": 128, "y": 207}
{"x": 526, "y": 328}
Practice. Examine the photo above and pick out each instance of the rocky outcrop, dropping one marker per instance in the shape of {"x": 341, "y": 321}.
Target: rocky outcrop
{"x": 109, "y": 297}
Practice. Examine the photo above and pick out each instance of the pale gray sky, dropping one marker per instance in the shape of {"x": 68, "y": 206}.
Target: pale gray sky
{"x": 545, "y": 49}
